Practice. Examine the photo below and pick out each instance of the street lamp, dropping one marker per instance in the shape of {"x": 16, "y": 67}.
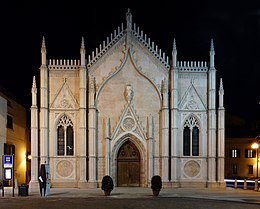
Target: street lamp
{"x": 256, "y": 146}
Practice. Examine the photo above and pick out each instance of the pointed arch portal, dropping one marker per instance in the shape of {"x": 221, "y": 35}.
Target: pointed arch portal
{"x": 128, "y": 165}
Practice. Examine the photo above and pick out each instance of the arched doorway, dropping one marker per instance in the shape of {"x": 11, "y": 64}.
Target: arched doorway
{"x": 128, "y": 165}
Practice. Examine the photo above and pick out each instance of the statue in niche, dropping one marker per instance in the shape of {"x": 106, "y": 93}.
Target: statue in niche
{"x": 129, "y": 93}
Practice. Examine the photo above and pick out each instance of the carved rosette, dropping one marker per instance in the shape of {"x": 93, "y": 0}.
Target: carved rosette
{"x": 191, "y": 168}
{"x": 64, "y": 168}
{"x": 128, "y": 124}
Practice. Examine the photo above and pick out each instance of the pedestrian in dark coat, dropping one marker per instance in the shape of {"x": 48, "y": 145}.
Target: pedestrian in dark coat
{"x": 42, "y": 179}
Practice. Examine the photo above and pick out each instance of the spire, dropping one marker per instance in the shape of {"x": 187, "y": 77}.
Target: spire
{"x": 82, "y": 43}
{"x": 128, "y": 20}
{"x": 212, "y": 54}
{"x": 128, "y": 29}
{"x": 221, "y": 94}
{"x": 34, "y": 83}
{"x": 43, "y": 43}
{"x": 174, "y": 53}
{"x": 211, "y": 45}
{"x": 34, "y": 92}
{"x": 221, "y": 89}
{"x": 43, "y": 51}
{"x": 82, "y": 53}
{"x": 174, "y": 44}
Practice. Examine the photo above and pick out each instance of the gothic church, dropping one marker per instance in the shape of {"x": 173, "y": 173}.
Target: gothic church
{"x": 130, "y": 112}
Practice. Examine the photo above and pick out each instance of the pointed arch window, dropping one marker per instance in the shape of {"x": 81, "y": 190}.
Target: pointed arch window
{"x": 65, "y": 136}
{"x": 191, "y": 137}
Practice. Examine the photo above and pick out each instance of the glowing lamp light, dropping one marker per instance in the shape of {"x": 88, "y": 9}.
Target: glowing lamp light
{"x": 255, "y": 146}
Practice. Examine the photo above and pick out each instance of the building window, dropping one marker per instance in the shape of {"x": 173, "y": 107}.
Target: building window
{"x": 191, "y": 137}
{"x": 250, "y": 169}
{"x": 249, "y": 153}
{"x": 9, "y": 122}
{"x": 235, "y": 153}
{"x": 234, "y": 169}
{"x": 65, "y": 136}
{"x": 9, "y": 149}
{"x": 61, "y": 142}
{"x": 186, "y": 141}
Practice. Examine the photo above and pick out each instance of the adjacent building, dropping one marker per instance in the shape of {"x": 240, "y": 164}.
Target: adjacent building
{"x": 240, "y": 158}
{"x": 14, "y": 137}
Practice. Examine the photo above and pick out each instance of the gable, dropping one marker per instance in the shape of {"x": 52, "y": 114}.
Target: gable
{"x": 191, "y": 100}
{"x": 64, "y": 98}
{"x": 127, "y": 35}
{"x": 129, "y": 122}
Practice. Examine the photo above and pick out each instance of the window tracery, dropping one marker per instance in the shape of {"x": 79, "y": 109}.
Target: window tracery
{"x": 65, "y": 136}
{"x": 191, "y": 137}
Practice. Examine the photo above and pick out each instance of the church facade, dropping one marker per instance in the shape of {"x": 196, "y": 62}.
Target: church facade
{"x": 129, "y": 112}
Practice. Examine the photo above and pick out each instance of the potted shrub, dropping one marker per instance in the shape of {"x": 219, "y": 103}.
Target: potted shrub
{"x": 156, "y": 184}
{"x": 107, "y": 185}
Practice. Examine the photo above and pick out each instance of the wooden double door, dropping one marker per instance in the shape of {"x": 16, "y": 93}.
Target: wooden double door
{"x": 128, "y": 165}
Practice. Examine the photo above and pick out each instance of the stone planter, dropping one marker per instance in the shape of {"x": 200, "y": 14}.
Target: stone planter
{"x": 107, "y": 192}
{"x": 156, "y": 192}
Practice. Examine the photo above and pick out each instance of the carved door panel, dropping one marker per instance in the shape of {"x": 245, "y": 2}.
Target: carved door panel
{"x": 134, "y": 174}
{"x": 128, "y": 174}
{"x": 122, "y": 173}
{"x": 128, "y": 165}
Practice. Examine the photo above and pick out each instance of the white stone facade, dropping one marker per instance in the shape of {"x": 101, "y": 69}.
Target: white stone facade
{"x": 127, "y": 108}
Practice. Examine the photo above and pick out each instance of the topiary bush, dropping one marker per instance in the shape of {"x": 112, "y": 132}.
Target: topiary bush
{"x": 107, "y": 183}
{"x": 156, "y": 183}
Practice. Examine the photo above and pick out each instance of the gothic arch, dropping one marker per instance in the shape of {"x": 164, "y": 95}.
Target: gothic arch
{"x": 128, "y": 56}
{"x": 190, "y": 116}
{"x": 191, "y": 136}
{"x": 57, "y": 117}
{"x": 64, "y": 135}
{"x": 141, "y": 149}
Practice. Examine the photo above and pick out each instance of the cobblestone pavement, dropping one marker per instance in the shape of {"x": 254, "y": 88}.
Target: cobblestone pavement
{"x": 128, "y": 198}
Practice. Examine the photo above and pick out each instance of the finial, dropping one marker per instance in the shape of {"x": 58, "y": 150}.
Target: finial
{"x": 211, "y": 45}
{"x": 221, "y": 85}
{"x": 43, "y": 42}
{"x": 129, "y": 19}
{"x": 82, "y": 43}
{"x": 174, "y": 44}
{"x": 34, "y": 82}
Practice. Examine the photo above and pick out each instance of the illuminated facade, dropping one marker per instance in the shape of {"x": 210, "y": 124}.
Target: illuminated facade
{"x": 126, "y": 112}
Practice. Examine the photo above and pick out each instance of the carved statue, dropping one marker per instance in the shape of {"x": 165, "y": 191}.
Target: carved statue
{"x": 129, "y": 93}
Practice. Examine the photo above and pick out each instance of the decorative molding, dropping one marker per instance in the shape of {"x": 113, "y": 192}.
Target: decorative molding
{"x": 191, "y": 100}
{"x": 64, "y": 98}
{"x": 64, "y": 169}
{"x": 129, "y": 121}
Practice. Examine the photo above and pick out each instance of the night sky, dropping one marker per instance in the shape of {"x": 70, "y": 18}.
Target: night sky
{"x": 233, "y": 25}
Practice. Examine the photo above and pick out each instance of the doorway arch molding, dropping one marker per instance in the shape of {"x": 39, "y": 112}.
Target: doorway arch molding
{"x": 142, "y": 151}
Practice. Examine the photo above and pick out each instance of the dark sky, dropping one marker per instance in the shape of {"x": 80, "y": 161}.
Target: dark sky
{"x": 233, "y": 25}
